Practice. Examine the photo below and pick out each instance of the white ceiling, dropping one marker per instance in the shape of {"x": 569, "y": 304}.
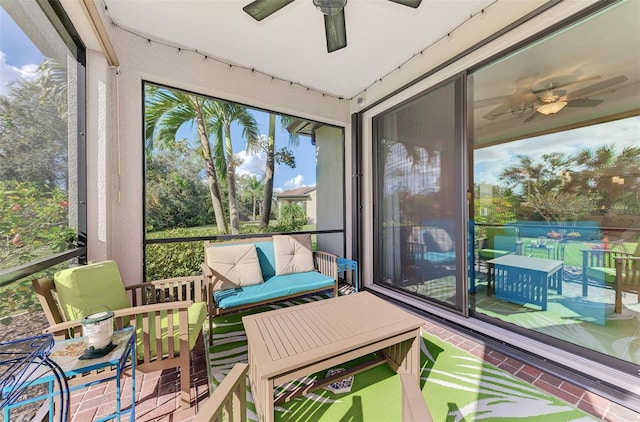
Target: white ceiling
{"x": 290, "y": 44}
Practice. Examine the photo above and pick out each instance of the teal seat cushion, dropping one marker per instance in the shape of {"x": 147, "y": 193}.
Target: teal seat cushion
{"x": 493, "y": 253}
{"x": 439, "y": 257}
{"x": 197, "y": 314}
{"x": 273, "y": 288}
{"x": 87, "y": 289}
{"x": 605, "y": 274}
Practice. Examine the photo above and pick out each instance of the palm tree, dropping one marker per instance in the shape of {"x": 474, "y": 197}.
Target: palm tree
{"x": 54, "y": 81}
{"x": 221, "y": 115}
{"x": 165, "y": 112}
{"x": 254, "y": 187}
{"x": 283, "y": 156}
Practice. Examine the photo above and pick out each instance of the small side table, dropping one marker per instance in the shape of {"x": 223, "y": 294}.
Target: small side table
{"x": 65, "y": 354}
{"x": 345, "y": 264}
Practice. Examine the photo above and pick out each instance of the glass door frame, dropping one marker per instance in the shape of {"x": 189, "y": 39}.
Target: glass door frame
{"x": 461, "y": 216}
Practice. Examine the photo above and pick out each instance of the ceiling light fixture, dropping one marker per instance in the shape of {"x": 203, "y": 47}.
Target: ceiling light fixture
{"x": 330, "y": 7}
{"x": 551, "y": 108}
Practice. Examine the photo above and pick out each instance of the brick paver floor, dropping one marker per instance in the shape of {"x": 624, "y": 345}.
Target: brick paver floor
{"x": 157, "y": 394}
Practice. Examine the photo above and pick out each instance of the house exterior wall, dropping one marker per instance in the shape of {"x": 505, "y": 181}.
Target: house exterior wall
{"x": 310, "y": 207}
{"x": 329, "y": 176}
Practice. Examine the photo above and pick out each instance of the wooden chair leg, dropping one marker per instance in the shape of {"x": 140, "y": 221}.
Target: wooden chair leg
{"x": 185, "y": 382}
{"x": 199, "y": 346}
{"x": 618, "y": 305}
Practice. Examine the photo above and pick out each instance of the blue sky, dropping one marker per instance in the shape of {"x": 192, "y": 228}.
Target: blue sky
{"x": 285, "y": 178}
{"x": 490, "y": 161}
{"x": 19, "y": 58}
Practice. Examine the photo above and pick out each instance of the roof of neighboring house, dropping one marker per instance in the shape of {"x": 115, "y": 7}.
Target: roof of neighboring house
{"x": 296, "y": 194}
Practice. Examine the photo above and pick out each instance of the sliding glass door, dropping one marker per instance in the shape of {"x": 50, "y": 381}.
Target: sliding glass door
{"x": 555, "y": 132}
{"x": 419, "y": 219}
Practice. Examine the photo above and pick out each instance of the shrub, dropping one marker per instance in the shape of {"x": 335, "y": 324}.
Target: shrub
{"x": 292, "y": 218}
{"x": 33, "y": 222}
{"x": 167, "y": 260}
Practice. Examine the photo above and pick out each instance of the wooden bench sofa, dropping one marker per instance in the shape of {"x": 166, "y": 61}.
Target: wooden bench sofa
{"x": 253, "y": 272}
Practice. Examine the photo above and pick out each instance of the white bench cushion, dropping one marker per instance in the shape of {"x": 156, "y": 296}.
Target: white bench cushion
{"x": 234, "y": 266}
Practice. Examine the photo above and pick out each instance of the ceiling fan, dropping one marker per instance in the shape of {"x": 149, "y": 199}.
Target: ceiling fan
{"x": 333, "y": 10}
{"x": 546, "y": 97}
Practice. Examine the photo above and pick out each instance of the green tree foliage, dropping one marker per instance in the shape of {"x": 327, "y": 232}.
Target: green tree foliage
{"x": 600, "y": 173}
{"x": 33, "y": 222}
{"x": 252, "y": 189}
{"x": 560, "y": 187}
{"x": 177, "y": 195}
{"x": 284, "y": 156}
{"x": 33, "y": 137}
{"x": 546, "y": 194}
{"x": 166, "y": 111}
{"x": 292, "y": 217}
{"x": 33, "y": 168}
{"x": 166, "y": 260}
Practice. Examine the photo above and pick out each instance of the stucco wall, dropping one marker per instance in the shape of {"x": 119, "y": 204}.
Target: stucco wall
{"x": 330, "y": 197}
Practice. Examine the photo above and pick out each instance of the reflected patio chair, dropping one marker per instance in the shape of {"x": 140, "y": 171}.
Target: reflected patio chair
{"x": 617, "y": 269}
{"x": 431, "y": 251}
{"x": 499, "y": 241}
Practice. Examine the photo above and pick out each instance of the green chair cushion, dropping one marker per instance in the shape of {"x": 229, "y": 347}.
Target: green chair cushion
{"x": 87, "y": 289}
{"x": 602, "y": 273}
{"x": 197, "y": 314}
{"x": 493, "y": 253}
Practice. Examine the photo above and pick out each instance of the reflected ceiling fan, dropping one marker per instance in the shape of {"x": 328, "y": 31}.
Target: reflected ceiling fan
{"x": 546, "y": 97}
{"x": 333, "y": 10}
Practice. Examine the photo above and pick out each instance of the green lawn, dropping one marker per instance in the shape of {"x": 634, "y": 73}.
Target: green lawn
{"x": 573, "y": 249}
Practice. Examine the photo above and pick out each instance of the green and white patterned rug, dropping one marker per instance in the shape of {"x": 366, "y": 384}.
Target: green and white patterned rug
{"x": 457, "y": 386}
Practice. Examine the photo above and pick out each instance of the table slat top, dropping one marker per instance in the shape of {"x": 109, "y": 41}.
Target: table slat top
{"x": 289, "y": 337}
{"x": 528, "y": 263}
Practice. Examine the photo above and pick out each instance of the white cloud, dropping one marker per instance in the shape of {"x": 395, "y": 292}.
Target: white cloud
{"x": 252, "y": 164}
{"x": 294, "y": 183}
{"x": 490, "y": 161}
{"x": 10, "y": 74}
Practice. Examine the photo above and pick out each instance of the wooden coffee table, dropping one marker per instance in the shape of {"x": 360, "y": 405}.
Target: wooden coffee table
{"x": 301, "y": 340}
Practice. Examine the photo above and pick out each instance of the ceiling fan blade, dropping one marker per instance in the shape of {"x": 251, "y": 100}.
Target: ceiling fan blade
{"x": 336, "y": 31}
{"x": 584, "y": 102}
{"x": 260, "y": 9}
{"x": 562, "y": 81}
{"x": 598, "y": 86}
{"x": 486, "y": 102}
{"x": 410, "y": 3}
{"x": 493, "y": 114}
{"x": 533, "y": 116}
